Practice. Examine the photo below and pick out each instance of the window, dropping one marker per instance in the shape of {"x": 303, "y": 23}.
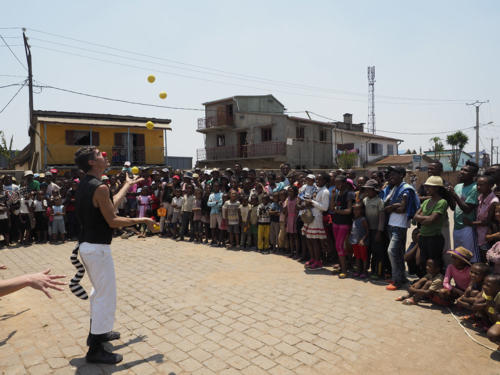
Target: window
{"x": 266, "y": 134}
{"x": 375, "y": 149}
{"x": 81, "y": 138}
{"x": 322, "y": 135}
{"x": 299, "y": 133}
{"x": 221, "y": 140}
{"x": 390, "y": 149}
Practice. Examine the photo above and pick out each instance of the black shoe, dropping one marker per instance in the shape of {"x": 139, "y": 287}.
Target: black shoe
{"x": 110, "y": 336}
{"x": 97, "y": 354}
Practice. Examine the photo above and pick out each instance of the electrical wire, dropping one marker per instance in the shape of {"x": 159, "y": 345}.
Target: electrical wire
{"x": 11, "y": 85}
{"x": 13, "y": 54}
{"x": 468, "y": 334}
{"x": 11, "y": 99}
{"x": 232, "y": 74}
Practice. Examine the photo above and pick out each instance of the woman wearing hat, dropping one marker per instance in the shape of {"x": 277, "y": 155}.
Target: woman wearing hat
{"x": 431, "y": 217}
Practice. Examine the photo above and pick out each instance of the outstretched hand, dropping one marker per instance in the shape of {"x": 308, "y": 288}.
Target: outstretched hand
{"x": 43, "y": 281}
{"x": 152, "y": 225}
{"x": 133, "y": 180}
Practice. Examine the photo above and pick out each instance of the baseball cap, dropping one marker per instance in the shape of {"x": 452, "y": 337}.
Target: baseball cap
{"x": 28, "y": 173}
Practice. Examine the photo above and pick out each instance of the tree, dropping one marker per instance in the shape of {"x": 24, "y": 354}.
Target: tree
{"x": 457, "y": 141}
{"x": 6, "y": 152}
{"x": 437, "y": 146}
{"x": 347, "y": 159}
{"x": 408, "y": 151}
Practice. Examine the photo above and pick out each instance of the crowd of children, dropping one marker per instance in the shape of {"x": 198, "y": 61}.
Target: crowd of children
{"x": 356, "y": 223}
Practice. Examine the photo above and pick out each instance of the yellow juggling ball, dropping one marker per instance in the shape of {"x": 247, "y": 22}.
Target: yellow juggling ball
{"x": 150, "y": 125}
{"x": 151, "y": 78}
{"x": 163, "y": 95}
{"x": 135, "y": 170}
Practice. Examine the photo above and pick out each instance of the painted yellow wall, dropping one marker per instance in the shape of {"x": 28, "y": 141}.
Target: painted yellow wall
{"x": 60, "y": 153}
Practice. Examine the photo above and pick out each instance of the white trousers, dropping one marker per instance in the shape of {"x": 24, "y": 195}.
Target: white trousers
{"x": 99, "y": 265}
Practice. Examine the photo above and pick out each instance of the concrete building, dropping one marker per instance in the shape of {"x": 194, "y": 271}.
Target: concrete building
{"x": 445, "y": 157}
{"x": 255, "y": 130}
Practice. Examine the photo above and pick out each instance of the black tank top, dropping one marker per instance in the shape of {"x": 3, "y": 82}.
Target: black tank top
{"x": 93, "y": 226}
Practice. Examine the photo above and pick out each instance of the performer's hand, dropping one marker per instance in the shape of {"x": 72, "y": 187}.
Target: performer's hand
{"x": 133, "y": 180}
{"x": 43, "y": 281}
{"x": 152, "y": 225}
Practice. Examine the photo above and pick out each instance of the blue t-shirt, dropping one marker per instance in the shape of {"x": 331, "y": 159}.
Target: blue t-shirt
{"x": 215, "y": 202}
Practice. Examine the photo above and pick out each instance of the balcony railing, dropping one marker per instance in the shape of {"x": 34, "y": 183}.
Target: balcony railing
{"x": 221, "y": 119}
{"x": 264, "y": 149}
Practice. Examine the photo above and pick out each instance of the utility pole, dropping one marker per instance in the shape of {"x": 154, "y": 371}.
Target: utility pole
{"x": 27, "y": 50}
{"x": 491, "y": 154}
{"x": 477, "y": 104}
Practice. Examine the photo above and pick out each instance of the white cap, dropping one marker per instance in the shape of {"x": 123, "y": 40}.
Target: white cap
{"x": 127, "y": 164}
{"x": 311, "y": 176}
{"x": 28, "y": 173}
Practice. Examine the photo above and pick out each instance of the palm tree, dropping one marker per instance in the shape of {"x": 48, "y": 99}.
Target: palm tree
{"x": 6, "y": 151}
{"x": 437, "y": 146}
{"x": 457, "y": 141}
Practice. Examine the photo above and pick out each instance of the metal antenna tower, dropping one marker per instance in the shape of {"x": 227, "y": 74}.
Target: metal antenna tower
{"x": 371, "y": 100}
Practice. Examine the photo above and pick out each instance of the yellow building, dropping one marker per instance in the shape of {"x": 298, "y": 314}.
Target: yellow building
{"x": 59, "y": 134}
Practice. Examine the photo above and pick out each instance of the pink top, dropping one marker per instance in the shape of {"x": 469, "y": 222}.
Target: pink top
{"x": 461, "y": 277}
{"x": 482, "y": 214}
{"x": 493, "y": 256}
{"x": 144, "y": 202}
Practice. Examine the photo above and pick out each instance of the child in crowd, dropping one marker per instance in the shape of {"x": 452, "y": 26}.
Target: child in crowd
{"x": 459, "y": 272}
{"x": 25, "y": 210}
{"x": 282, "y": 237}
{"x": 187, "y": 213}
{"x": 375, "y": 215}
{"x": 412, "y": 254}
{"x": 485, "y": 212}
{"x": 58, "y": 227}
{"x": 177, "y": 202}
{"x": 493, "y": 238}
{"x": 478, "y": 272}
{"x": 341, "y": 206}
{"x": 491, "y": 295}
{"x": 359, "y": 240}
{"x": 487, "y": 304}
{"x": 264, "y": 221}
{"x": 290, "y": 211}
{"x": 197, "y": 224}
{"x": 246, "y": 237}
{"x": 223, "y": 223}
{"x": 143, "y": 201}
{"x": 254, "y": 220}
{"x": 231, "y": 213}
{"x": 215, "y": 203}
{"x": 426, "y": 287}
{"x": 274, "y": 215}
{"x": 205, "y": 213}
{"x": 40, "y": 207}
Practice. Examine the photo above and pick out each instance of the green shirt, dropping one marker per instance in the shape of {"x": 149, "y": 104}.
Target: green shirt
{"x": 34, "y": 186}
{"x": 469, "y": 195}
{"x": 441, "y": 208}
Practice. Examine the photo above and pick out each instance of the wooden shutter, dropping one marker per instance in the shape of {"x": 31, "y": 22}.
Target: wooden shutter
{"x": 70, "y": 139}
{"x": 95, "y": 139}
{"x": 140, "y": 140}
{"x": 118, "y": 139}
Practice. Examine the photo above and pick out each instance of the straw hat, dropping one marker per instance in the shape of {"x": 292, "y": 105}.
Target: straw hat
{"x": 434, "y": 181}
{"x": 461, "y": 253}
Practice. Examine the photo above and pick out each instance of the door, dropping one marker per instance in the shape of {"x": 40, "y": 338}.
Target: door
{"x": 242, "y": 145}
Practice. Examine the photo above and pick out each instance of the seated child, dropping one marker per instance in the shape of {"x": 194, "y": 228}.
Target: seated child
{"x": 487, "y": 305}
{"x": 459, "y": 272}
{"x": 427, "y": 286}
{"x": 478, "y": 272}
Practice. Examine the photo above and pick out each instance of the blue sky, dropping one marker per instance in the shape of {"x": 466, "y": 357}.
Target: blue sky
{"x": 426, "y": 49}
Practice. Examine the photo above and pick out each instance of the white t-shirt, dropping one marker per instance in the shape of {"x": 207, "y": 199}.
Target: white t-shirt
{"x": 39, "y": 205}
{"x": 24, "y": 206}
{"x": 397, "y": 219}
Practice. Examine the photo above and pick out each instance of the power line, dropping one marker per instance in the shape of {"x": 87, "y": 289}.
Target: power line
{"x": 13, "y": 54}
{"x": 245, "y": 76}
{"x": 11, "y": 99}
{"x": 11, "y": 85}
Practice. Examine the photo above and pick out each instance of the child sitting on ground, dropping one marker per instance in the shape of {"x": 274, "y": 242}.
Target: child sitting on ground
{"x": 478, "y": 272}
{"x": 487, "y": 303}
{"x": 427, "y": 286}
{"x": 459, "y": 272}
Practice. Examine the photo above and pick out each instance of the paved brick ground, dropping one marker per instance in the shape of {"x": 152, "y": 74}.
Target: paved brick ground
{"x": 192, "y": 309}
